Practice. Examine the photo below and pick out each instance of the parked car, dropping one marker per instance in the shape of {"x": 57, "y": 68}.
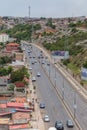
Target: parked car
{"x": 69, "y": 123}
{"x": 42, "y": 105}
{"x": 33, "y": 79}
{"x": 59, "y": 125}
{"x": 46, "y": 118}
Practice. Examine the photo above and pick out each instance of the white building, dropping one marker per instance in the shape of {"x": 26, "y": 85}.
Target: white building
{"x": 4, "y": 37}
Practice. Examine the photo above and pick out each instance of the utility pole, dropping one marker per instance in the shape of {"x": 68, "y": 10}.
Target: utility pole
{"x": 29, "y": 11}
{"x": 75, "y": 105}
{"x": 63, "y": 90}
{"x": 55, "y": 77}
{"x": 49, "y": 71}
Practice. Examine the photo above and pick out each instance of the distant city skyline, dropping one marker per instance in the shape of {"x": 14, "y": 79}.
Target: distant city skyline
{"x": 43, "y": 8}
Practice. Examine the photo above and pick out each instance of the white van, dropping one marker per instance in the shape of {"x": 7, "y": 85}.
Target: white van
{"x": 52, "y": 128}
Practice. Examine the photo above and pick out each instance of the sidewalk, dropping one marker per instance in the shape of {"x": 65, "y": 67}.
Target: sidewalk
{"x": 37, "y": 121}
{"x": 74, "y": 83}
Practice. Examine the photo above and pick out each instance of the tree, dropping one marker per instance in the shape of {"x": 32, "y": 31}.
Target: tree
{"x": 11, "y": 87}
{"x": 10, "y": 69}
{"x": 49, "y": 23}
{"x": 19, "y": 75}
{"x": 85, "y": 64}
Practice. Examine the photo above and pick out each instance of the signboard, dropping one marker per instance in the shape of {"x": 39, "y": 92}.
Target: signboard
{"x": 84, "y": 73}
{"x": 63, "y": 54}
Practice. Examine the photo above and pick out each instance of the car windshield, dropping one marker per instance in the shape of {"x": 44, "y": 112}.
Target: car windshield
{"x": 46, "y": 116}
{"x": 70, "y": 122}
{"x": 59, "y": 124}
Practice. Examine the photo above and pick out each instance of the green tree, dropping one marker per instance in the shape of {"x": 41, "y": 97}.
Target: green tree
{"x": 19, "y": 75}
{"x": 9, "y": 69}
{"x": 85, "y": 64}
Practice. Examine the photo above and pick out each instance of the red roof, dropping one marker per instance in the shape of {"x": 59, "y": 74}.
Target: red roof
{"x": 2, "y": 105}
{"x": 5, "y": 113}
{"x": 15, "y": 105}
{"x": 19, "y": 84}
{"x": 12, "y": 44}
{"x": 23, "y": 126}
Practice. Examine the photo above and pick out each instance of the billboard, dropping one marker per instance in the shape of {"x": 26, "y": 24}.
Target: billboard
{"x": 84, "y": 73}
{"x": 63, "y": 54}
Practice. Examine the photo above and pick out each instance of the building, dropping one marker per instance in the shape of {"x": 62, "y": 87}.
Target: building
{"x": 4, "y": 38}
{"x": 12, "y": 47}
{"x": 19, "y": 56}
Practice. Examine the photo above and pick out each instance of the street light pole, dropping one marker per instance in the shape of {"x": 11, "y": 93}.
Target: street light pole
{"x": 63, "y": 90}
{"x": 49, "y": 71}
{"x": 55, "y": 77}
{"x": 75, "y": 105}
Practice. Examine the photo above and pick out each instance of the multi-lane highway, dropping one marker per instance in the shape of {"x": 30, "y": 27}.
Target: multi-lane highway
{"x": 46, "y": 90}
{"x": 51, "y": 82}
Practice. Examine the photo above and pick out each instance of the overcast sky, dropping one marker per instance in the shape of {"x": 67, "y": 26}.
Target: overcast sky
{"x": 43, "y": 8}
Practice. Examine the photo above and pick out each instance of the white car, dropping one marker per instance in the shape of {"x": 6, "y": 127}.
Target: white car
{"x": 52, "y": 128}
{"x": 30, "y": 68}
{"x": 33, "y": 79}
{"x": 38, "y": 74}
{"x": 46, "y": 118}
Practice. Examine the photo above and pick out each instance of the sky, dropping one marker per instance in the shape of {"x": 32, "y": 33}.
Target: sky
{"x": 43, "y": 8}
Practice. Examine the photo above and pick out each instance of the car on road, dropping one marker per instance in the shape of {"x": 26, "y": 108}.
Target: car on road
{"x": 59, "y": 125}
{"x": 33, "y": 79}
{"x": 46, "y": 118}
{"x": 52, "y": 128}
{"x": 30, "y": 57}
{"x": 48, "y": 64}
{"x": 69, "y": 123}
{"x": 38, "y": 74}
{"x": 33, "y": 62}
{"x": 42, "y": 105}
{"x": 43, "y": 62}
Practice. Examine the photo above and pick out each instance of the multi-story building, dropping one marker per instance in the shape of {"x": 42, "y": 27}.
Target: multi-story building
{"x": 4, "y": 37}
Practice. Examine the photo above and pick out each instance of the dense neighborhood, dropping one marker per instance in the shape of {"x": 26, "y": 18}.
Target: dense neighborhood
{"x": 18, "y": 99}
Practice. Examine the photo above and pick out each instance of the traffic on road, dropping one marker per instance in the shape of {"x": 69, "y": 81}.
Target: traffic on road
{"x": 54, "y": 90}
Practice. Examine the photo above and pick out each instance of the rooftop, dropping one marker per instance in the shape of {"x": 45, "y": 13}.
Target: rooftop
{"x": 12, "y": 44}
{"x": 19, "y": 84}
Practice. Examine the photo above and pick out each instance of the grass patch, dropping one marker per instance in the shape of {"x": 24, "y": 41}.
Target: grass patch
{"x": 73, "y": 68}
{"x": 84, "y": 81}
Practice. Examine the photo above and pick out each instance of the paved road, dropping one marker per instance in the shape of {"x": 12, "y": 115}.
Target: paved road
{"x": 47, "y": 93}
{"x": 70, "y": 95}
{"x": 54, "y": 108}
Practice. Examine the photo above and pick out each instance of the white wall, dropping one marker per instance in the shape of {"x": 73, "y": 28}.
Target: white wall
{"x": 4, "y": 38}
